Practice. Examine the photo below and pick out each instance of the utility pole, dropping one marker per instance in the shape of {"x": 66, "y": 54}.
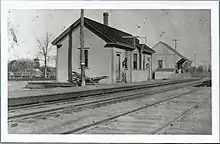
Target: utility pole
{"x": 70, "y": 58}
{"x": 175, "y": 46}
{"x": 210, "y": 60}
{"x": 82, "y": 56}
{"x": 175, "y": 43}
{"x": 195, "y": 61}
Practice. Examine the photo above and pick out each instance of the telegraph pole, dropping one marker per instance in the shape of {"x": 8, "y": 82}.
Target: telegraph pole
{"x": 82, "y": 56}
{"x": 210, "y": 60}
{"x": 175, "y": 45}
{"x": 195, "y": 62}
{"x": 70, "y": 58}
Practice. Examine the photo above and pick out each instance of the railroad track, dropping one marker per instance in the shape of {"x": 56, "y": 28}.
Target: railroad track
{"x": 184, "y": 113}
{"x": 28, "y": 102}
{"x": 37, "y": 110}
{"x": 114, "y": 124}
{"x": 93, "y": 104}
{"x": 44, "y": 104}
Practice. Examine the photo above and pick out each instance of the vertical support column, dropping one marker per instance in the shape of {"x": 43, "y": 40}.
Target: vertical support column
{"x": 113, "y": 70}
{"x": 128, "y": 66}
{"x": 57, "y": 65}
{"x": 70, "y": 57}
{"x": 82, "y": 48}
{"x": 150, "y": 77}
{"x": 131, "y": 65}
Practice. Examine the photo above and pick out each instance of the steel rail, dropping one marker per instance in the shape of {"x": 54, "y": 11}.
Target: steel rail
{"x": 99, "y": 102}
{"x": 184, "y": 113}
{"x": 122, "y": 114}
{"x": 81, "y": 98}
{"x": 41, "y": 102}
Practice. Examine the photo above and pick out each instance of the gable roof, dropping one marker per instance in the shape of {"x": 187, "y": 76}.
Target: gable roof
{"x": 145, "y": 48}
{"x": 182, "y": 60}
{"x": 112, "y": 36}
{"x": 173, "y": 50}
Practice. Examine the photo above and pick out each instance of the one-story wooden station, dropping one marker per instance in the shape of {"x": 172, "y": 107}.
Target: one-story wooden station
{"x": 106, "y": 51}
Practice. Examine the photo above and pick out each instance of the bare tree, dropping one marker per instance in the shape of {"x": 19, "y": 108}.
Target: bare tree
{"x": 44, "y": 49}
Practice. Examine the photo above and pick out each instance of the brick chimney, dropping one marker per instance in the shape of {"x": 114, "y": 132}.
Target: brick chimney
{"x": 105, "y": 18}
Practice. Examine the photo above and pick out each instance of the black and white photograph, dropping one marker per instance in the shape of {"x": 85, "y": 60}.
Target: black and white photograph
{"x": 98, "y": 70}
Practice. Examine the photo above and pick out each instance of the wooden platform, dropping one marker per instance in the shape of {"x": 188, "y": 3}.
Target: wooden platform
{"x": 54, "y": 94}
{"x": 42, "y": 85}
{"x": 58, "y": 90}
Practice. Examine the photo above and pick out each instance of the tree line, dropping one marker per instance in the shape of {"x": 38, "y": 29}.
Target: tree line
{"x": 43, "y": 49}
{"x": 28, "y": 65}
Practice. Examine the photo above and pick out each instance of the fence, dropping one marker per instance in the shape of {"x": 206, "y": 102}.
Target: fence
{"x": 30, "y": 76}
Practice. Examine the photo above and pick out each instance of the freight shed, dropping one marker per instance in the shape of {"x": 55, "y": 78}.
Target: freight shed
{"x": 167, "y": 61}
{"x": 107, "y": 53}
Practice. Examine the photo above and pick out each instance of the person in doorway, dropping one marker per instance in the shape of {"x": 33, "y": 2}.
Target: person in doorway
{"x": 124, "y": 66}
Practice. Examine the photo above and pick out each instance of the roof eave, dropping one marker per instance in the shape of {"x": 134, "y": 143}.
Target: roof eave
{"x": 147, "y": 49}
{"x": 73, "y": 26}
{"x": 148, "y": 52}
{"x": 66, "y": 32}
{"x": 120, "y": 45}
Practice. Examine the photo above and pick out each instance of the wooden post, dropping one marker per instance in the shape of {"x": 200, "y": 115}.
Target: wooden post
{"x": 131, "y": 61}
{"x": 113, "y": 74}
{"x": 175, "y": 46}
{"x": 195, "y": 61}
{"x": 70, "y": 57}
{"x": 82, "y": 48}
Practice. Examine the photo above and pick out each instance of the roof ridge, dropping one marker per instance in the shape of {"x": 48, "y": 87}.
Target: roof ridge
{"x": 114, "y": 30}
{"x": 155, "y": 45}
{"x": 100, "y": 32}
{"x": 107, "y": 33}
{"x": 108, "y": 26}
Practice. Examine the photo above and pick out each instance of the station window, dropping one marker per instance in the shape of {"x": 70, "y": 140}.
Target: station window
{"x": 160, "y": 63}
{"x": 86, "y": 58}
{"x": 86, "y": 53}
{"x": 135, "y": 61}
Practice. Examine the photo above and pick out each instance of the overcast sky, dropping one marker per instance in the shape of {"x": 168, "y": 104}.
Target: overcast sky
{"x": 190, "y": 27}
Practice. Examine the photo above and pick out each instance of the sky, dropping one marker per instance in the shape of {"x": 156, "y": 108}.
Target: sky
{"x": 191, "y": 27}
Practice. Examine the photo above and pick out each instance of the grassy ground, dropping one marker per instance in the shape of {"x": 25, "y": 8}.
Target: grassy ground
{"x": 16, "y": 85}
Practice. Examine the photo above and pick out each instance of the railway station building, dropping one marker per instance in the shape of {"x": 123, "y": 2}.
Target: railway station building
{"x": 167, "y": 61}
{"x": 107, "y": 53}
